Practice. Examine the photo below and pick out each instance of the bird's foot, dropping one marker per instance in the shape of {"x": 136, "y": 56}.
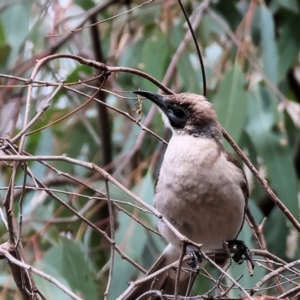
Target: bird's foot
{"x": 196, "y": 258}
{"x": 242, "y": 253}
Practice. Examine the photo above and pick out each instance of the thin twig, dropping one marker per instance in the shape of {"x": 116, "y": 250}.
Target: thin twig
{"x": 149, "y": 277}
{"x": 103, "y": 233}
{"x": 274, "y": 273}
{"x": 21, "y": 205}
{"x": 105, "y": 20}
{"x": 167, "y": 77}
{"x": 87, "y": 165}
{"x": 258, "y": 234}
{"x": 205, "y": 4}
{"x": 182, "y": 253}
{"x": 90, "y": 98}
{"x": 126, "y": 114}
{"x": 38, "y": 115}
{"x": 290, "y": 292}
{"x": 112, "y": 236}
{"x": 105, "y": 175}
{"x": 225, "y": 293}
{"x": 22, "y": 277}
{"x": 261, "y": 180}
{"x": 227, "y": 275}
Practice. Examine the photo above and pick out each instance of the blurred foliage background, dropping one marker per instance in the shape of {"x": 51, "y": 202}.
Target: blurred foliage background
{"x": 251, "y": 57}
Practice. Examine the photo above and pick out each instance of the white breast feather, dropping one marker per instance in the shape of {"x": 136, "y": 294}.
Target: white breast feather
{"x": 199, "y": 192}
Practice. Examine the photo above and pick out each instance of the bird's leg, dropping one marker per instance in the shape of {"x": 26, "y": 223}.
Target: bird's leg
{"x": 242, "y": 253}
{"x": 195, "y": 256}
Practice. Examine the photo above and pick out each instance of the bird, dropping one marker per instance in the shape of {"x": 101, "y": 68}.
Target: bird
{"x": 201, "y": 188}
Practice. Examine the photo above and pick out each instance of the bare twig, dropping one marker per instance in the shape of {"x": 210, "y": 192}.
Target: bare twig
{"x": 38, "y": 115}
{"x": 182, "y": 254}
{"x": 149, "y": 277}
{"x": 126, "y": 114}
{"x": 261, "y": 180}
{"x": 112, "y": 236}
{"x": 108, "y": 19}
{"x": 104, "y": 234}
{"x": 21, "y": 206}
{"x": 258, "y": 234}
{"x": 274, "y": 273}
{"x": 19, "y": 158}
{"x": 227, "y": 275}
{"x": 204, "y": 4}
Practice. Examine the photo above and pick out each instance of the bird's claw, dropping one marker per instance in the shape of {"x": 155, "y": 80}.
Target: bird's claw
{"x": 242, "y": 253}
{"x": 196, "y": 259}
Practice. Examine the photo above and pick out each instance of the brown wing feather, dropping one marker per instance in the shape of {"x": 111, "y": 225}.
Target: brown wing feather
{"x": 244, "y": 187}
{"x": 243, "y": 184}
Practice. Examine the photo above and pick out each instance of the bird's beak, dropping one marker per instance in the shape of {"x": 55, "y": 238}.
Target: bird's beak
{"x": 157, "y": 99}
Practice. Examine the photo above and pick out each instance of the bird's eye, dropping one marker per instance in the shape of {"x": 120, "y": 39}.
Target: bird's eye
{"x": 177, "y": 112}
{"x": 177, "y": 116}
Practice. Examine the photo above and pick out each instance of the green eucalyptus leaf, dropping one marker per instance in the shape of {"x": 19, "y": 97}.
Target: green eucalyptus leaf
{"x": 71, "y": 266}
{"x": 273, "y": 149}
{"x": 156, "y": 51}
{"x": 186, "y": 70}
{"x": 4, "y": 53}
{"x": 146, "y": 188}
{"x": 230, "y": 12}
{"x": 288, "y": 45}
{"x": 16, "y": 23}
{"x": 131, "y": 238}
{"x": 49, "y": 290}
{"x": 269, "y": 47}
{"x": 230, "y": 102}
{"x": 276, "y": 229}
{"x": 291, "y": 5}
{"x": 85, "y": 4}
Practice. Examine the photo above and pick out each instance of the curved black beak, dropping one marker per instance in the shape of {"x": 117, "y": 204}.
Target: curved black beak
{"x": 157, "y": 99}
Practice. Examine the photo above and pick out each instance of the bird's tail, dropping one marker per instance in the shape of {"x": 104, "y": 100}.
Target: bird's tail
{"x": 162, "y": 283}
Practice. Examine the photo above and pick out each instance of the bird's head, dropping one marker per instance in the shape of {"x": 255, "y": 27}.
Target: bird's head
{"x": 186, "y": 113}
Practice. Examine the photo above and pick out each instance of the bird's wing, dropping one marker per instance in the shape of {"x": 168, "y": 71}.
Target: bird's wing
{"x": 244, "y": 187}
{"x": 243, "y": 184}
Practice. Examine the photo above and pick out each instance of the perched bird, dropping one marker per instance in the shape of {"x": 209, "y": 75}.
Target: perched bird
{"x": 201, "y": 189}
